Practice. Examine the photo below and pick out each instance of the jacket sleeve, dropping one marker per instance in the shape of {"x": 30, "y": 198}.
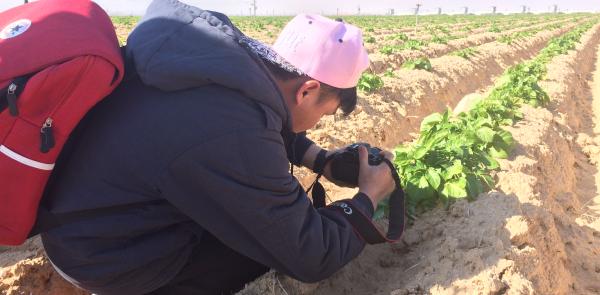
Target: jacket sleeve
{"x": 238, "y": 188}
{"x": 298, "y": 146}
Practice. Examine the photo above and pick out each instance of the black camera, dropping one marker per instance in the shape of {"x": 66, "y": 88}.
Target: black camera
{"x": 346, "y": 164}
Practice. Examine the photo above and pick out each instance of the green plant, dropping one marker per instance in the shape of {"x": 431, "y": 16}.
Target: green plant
{"x": 440, "y": 39}
{"x": 467, "y": 28}
{"x": 494, "y": 28}
{"x": 370, "y": 39}
{"x": 465, "y": 53}
{"x": 451, "y": 159}
{"x": 389, "y": 73}
{"x": 508, "y": 39}
{"x": 412, "y": 44}
{"x": 369, "y": 82}
{"x": 398, "y": 37}
{"x": 388, "y": 49}
{"x": 520, "y": 81}
{"x": 421, "y": 63}
{"x": 442, "y": 29}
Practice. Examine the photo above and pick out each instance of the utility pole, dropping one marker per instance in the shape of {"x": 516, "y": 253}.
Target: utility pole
{"x": 466, "y": 9}
{"x": 417, "y": 9}
{"x": 26, "y": 1}
{"x": 555, "y": 8}
{"x": 439, "y": 10}
{"x": 494, "y": 9}
{"x": 358, "y": 9}
{"x": 392, "y": 12}
{"x": 417, "y": 16}
{"x": 253, "y": 7}
{"x": 337, "y": 11}
{"x": 524, "y": 8}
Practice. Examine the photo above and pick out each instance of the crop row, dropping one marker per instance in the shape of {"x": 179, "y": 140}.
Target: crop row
{"x": 455, "y": 154}
{"x": 401, "y": 43}
{"x": 385, "y": 22}
{"x": 417, "y": 60}
{"x": 269, "y": 26}
{"x": 443, "y": 34}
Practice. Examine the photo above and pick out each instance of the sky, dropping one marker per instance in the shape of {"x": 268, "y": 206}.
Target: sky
{"x": 332, "y": 7}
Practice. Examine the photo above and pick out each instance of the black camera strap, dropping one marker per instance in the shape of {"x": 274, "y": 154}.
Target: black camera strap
{"x": 364, "y": 225}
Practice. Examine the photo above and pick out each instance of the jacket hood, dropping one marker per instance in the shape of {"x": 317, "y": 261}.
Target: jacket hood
{"x": 177, "y": 47}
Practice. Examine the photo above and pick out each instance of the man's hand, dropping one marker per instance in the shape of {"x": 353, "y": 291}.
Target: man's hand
{"x": 376, "y": 182}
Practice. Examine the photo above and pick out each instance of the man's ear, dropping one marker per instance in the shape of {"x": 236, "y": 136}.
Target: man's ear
{"x": 308, "y": 91}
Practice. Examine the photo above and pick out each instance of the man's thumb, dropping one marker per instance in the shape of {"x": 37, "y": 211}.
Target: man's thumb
{"x": 363, "y": 157}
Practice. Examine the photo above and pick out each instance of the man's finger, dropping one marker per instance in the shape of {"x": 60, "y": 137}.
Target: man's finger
{"x": 363, "y": 156}
{"x": 388, "y": 155}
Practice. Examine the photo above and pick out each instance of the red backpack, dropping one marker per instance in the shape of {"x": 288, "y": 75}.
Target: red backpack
{"x": 58, "y": 58}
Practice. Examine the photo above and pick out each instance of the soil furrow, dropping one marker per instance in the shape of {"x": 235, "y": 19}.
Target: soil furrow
{"x": 382, "y": 62}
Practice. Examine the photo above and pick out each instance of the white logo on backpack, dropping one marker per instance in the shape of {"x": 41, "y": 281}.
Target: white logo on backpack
{"x": 15, "y": 29}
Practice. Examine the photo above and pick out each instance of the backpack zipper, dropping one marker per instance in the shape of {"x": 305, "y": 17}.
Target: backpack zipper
{"x": 47, "y": 140}
{"x": 47, "y": 136}
{"x": 11, "y": 99}
{"x": 10, "y": 94}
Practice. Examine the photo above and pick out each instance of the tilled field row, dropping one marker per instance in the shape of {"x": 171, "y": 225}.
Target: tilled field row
{"x": 477, "y": 28}
{"x": 463, "y": 40}
{"x": 270, "y": 32}
{"x": 382, "y": 61}
{"x": 558, "y": 162}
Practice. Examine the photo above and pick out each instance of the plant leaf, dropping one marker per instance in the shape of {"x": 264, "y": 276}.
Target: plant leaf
{"x": 491, "y": 163}
{"x": 498, "y": 153}
{"x": 433, "y": 177}
{"x": 455, "y": 188}
{"x": 430, "y": 121}
{"x": 486, "y": 134}
{"x": 455, "y": 169}
{"x": 474, "y": 186}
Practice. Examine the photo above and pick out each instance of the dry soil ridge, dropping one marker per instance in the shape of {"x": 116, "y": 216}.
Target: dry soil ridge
{"x": 382, "y": 62}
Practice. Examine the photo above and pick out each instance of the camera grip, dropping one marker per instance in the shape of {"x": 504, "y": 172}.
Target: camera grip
{"x": 345, "y": 168}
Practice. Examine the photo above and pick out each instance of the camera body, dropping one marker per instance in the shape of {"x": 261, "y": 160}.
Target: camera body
{"x": 346, "y": 164}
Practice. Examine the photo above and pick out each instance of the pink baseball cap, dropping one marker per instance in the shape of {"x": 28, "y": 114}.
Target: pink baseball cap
{"x": 326, "y": 50}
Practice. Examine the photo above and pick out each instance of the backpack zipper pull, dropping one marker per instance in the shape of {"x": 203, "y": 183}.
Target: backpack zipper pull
{"x": 47, "y": 136}
{"x": 11, "y": 99}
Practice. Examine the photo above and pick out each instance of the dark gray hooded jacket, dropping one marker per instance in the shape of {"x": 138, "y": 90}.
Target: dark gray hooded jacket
{"x": 198, "y": 140}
